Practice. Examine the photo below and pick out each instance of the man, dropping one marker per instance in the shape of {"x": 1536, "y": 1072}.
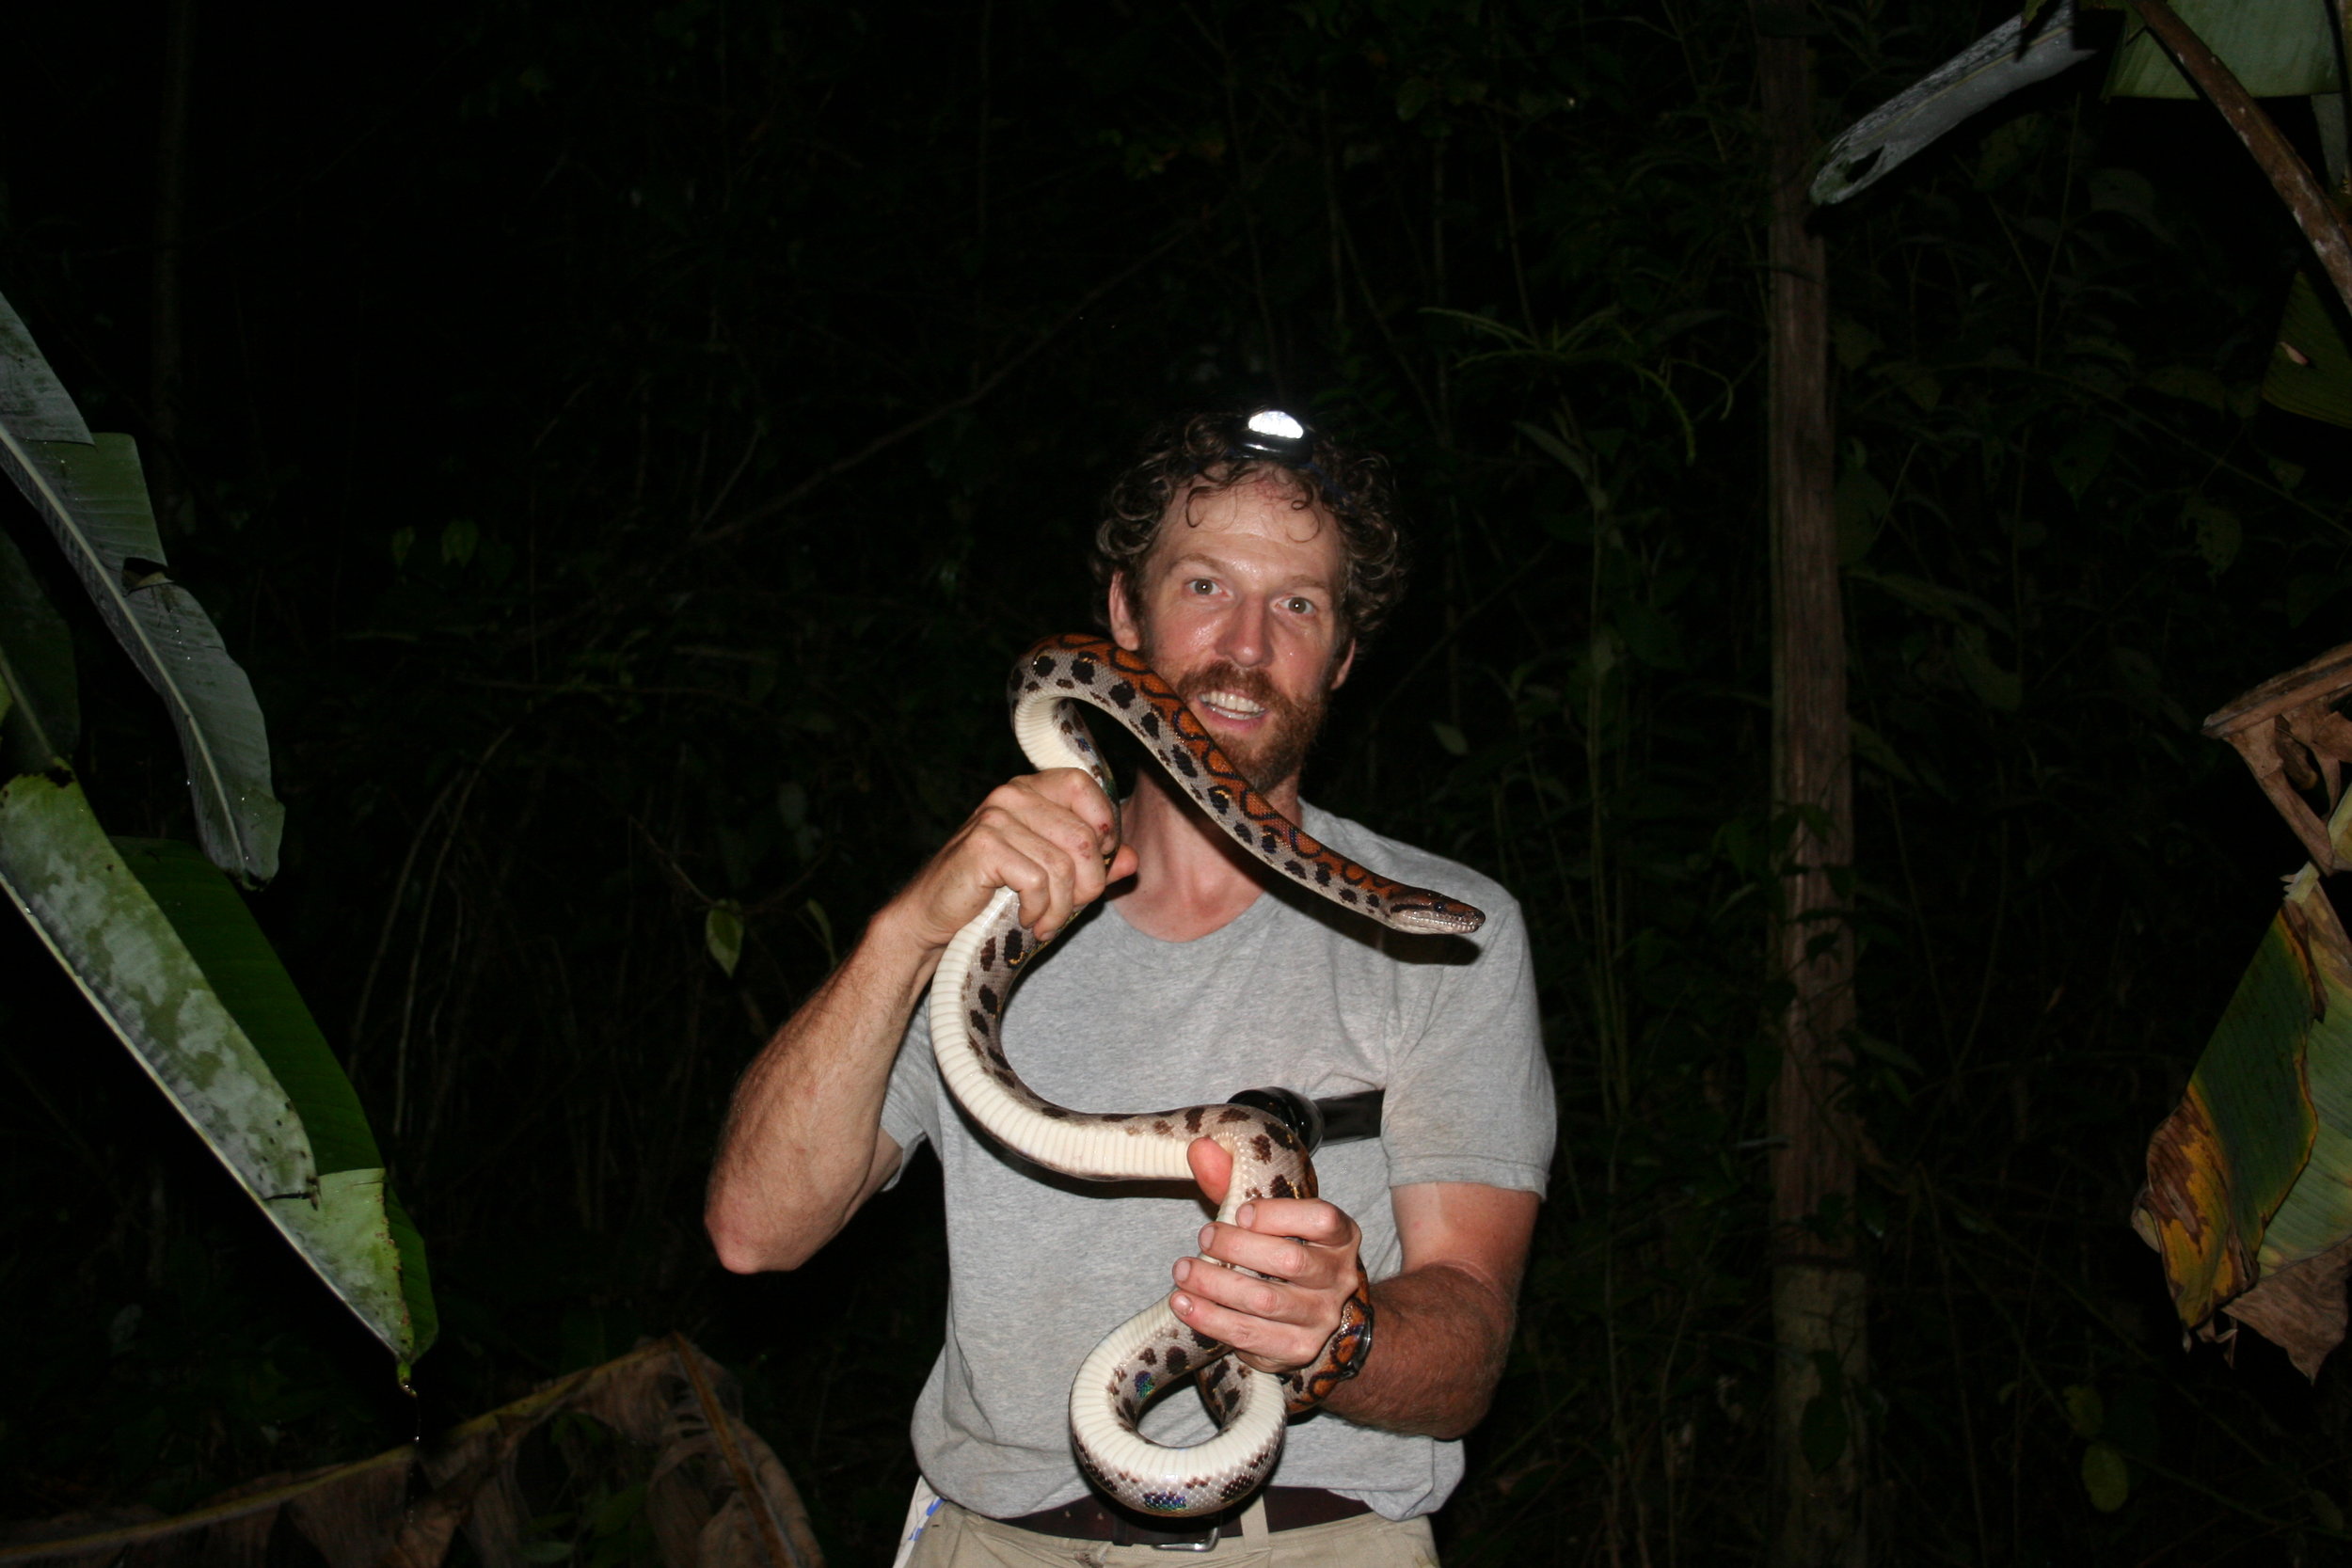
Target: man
{"x": 1246, "y": 561}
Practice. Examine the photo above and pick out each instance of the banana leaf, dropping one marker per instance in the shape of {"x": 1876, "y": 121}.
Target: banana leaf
{"x": 166, "y": 952}
{"x": 2278, "y": 48}
{"x": 34, "y": 404}
{"x": 2014, "y": 55}
{"x": 45, "y": 717}
{"x": 2311, "y": 366}
{"x": 93, "y": 496}
{"x": 2249, "y": 1198}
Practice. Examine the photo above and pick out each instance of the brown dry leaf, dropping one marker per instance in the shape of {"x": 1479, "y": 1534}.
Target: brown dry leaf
{"x": 2300, "y": 1307}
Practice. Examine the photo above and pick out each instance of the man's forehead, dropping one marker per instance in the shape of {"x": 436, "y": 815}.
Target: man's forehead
{"x": 1271, "y": 505}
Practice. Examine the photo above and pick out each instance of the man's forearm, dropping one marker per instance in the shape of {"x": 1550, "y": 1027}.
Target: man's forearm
{"x": 799, "y": 1150}
{"x": 1439, "y": 1340}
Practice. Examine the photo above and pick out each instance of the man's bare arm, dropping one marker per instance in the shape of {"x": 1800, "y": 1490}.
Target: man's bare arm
{"x": 804, "y": 1145}
{"x": 1443, "y": 1324}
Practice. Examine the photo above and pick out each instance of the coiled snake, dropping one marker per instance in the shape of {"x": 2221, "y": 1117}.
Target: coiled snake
{"x": 1154, "y": 1349}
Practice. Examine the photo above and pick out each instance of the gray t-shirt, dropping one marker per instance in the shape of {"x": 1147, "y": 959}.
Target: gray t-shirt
{"x": 1292, "y": 992}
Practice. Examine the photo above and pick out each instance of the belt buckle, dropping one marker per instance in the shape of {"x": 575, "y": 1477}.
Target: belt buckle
{"x": 1205, "y": 1543}
{"x": 1126, "y": 1534}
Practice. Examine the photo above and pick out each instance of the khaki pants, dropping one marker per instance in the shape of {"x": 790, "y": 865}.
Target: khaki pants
{"x": 956, "y": 1538}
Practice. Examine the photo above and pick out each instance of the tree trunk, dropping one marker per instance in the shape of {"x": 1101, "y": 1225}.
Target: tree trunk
{"x": 1819, "y": 1295}
{"x": 164, "y": 477}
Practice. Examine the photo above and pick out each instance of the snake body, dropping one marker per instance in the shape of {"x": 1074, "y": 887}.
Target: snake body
{"x": 1154, "y": 1349}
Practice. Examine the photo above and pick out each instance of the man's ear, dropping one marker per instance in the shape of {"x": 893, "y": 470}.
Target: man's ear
{"x": 1348, "y": 662}
{"x": 1123, "y": 628}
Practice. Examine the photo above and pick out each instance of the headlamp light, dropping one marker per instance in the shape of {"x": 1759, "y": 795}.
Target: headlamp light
{"x": 1272, "y": 436}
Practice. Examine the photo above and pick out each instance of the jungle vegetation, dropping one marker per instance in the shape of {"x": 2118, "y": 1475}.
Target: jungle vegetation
{"x": 624, "y": 445}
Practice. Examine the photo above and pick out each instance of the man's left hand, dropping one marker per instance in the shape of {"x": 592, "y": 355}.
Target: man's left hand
{"x": 1305, "y": 1248}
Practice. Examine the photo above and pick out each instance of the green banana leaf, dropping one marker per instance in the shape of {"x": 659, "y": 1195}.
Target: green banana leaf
{"x": 93, "y": 496}
{"x": 2311, "y": 366}
{"x": 36, "y": 672}
{"x": 2278, "y": 48}
{"x": 34, "y": 404}
{"x": 167, "y": 950}
{"x": 2249, "y": 1198}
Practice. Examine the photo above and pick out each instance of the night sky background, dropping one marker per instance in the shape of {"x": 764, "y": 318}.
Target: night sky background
{"x": 624, "y": 445}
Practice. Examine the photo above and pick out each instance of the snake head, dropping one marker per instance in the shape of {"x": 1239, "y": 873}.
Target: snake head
{"x": 1418, "y": 909}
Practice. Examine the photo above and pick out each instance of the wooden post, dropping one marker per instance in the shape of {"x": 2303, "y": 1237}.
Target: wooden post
{"x": 1819, "y": 1291}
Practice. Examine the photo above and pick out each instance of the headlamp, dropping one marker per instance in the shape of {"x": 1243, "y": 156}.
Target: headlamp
{"x": 1276, "y": 436}
{"x": 1271, "y": 433}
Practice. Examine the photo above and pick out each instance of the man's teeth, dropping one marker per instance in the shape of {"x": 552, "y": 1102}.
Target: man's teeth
{"x": 1231, "y": 705}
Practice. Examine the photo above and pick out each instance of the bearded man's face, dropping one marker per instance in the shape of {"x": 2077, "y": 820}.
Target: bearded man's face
{"x": 1238, "y": 607}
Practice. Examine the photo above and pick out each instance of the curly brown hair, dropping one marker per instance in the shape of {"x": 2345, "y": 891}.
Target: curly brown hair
{"x": 1203, "y": 454}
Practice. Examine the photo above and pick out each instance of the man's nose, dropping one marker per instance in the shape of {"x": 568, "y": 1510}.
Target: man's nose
{"x": 1242, "y": 640}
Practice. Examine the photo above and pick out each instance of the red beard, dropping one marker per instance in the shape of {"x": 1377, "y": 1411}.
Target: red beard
{"x": 1273, "y": 755}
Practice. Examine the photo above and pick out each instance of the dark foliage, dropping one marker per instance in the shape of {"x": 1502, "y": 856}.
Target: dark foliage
{"x": 625, "y": 443}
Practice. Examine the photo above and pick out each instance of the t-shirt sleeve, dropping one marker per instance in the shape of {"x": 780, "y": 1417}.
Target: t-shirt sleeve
{"x": 1470, "y": 1090}
{"x": 910, "y": 1112}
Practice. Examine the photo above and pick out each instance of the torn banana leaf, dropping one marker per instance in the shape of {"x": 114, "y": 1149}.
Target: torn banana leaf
{"x": 2005, "y": 60}
{"x": 93, "y": 496}
{"x": 166, "y": 952}
{"x": 2249, "y": 1198}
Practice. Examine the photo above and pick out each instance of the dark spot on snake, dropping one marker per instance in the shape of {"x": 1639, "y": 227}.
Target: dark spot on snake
{"x": 1012, "y": 948}
{"x": 1043, "y": 664}
{"x": 988, "y": 998}
{"x": 1268, "y": 840}
{"x": 1192, "y": 1119}
{"x": 1182, "y": 762}
{"x": 1347, "y": 896}
{"x": 1123, "y": 694}
{"x": 1067, "y": 684}
{"x": 988, "y": 954}
{"x": 1283, "y": 1135}
{"x": 1292, "y": 868}
{"x": 1241, "y": 830}
{"x": 1083, "y": 668}
{"x": 1281, "y": 1187}
{"x": 1053, "y": 1111}
{"x": 1177, "y": 1362}
{"x": 1221, "y": 798}
{"x": 1263, "y": 1144}
{"x": 1149, "y": 1356}
{"x": 1150, "y": 724}
{"x": 1231, "y": 1114}
{"x": 980, "y": 1021}
{"x": 1323, "y": 876}
{"x": 1197, "y": 1338}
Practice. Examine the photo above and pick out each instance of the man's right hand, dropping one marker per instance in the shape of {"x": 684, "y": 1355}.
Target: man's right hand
{"x": 1044, "y": 835}
{"x": 804, "y": 1145}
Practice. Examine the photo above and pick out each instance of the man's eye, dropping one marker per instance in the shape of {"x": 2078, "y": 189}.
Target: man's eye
{"x": 1301, "y": 607}
{"x": 1202, "y": 585}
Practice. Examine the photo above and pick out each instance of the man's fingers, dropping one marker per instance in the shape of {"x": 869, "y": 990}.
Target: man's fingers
{"x": 1269, "y": 1299}
{"x": 1278, "y": 1256}
{"x": 1074, "y": 790}
{"x": 1270, "y": 1343}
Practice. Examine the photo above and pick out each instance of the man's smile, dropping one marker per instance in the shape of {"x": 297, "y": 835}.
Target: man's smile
{"x": 1231, "y": 705}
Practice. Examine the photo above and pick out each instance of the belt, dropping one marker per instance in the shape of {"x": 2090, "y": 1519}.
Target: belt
{"x": 1091, "y": 1519}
